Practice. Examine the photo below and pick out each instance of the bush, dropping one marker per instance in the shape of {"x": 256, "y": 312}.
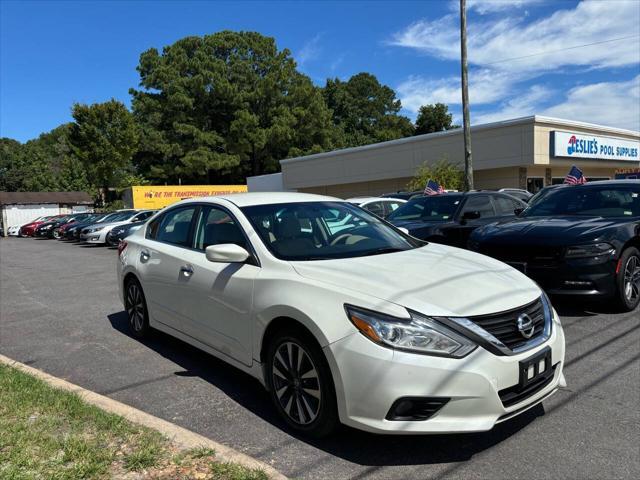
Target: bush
{"x": 447, "y": 174}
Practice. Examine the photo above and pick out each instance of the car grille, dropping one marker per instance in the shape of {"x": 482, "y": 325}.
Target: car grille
{"x": 534, "y": 256}
{"x": 504, "y": 326}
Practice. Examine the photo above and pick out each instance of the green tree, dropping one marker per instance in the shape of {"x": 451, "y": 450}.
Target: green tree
{"x": 104, "y": 138}
{"x": 447, "y": 174}
{"x": 434, "y": 118}
{"x": 223, "y": 106}
{"x": 366, "y": 110}
{"x": 11, "y": 165}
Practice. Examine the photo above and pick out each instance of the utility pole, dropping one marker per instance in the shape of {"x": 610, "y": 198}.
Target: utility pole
{"x": 468, "y": 163}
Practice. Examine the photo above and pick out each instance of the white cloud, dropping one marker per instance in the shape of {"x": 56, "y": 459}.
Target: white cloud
{"x": 484, "y": 7}
{"x": 543, "y": 42}
{"x": 485, "y": 86}
{"x": 521, "y": 105}
{"x": 310, "y": 50}
{"x": 616, "y": 104}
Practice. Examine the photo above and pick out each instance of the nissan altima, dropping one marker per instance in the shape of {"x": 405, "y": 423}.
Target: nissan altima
{"x": 362, "y": 325}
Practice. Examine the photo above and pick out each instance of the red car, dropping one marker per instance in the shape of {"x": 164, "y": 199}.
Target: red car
{"x": 28, "y": 229}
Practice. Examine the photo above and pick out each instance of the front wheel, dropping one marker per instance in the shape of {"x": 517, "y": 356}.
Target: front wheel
{"x": 300, "y": 384}
{"x": 136, "y": 306}
{"x": 628, "y": 279}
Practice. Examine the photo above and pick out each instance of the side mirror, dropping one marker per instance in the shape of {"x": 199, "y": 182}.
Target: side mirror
{"x": 226, "y": 253}
{"x": 518, "y": 210}
{"x": 471, "y": 215}
{"x": 404, "y": 230}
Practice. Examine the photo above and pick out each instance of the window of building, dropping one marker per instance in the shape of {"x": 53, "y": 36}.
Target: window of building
{"x": 535, "y": 184}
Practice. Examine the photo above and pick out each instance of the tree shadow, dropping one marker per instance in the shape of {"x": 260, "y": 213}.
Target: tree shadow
{"x": 350, "y": 444}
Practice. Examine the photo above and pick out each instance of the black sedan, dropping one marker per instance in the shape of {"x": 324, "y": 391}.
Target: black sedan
{"x": 449, "y": 218}
{"x": 575, "y": 239}
{"x": 122, "y": 231}
{"x": 46, "y": 229}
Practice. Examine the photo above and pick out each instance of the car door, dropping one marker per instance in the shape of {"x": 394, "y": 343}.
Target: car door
{"x": 460, "y": 232}
{"x": 218, "y": 302}
{"x": 164, "y": 267}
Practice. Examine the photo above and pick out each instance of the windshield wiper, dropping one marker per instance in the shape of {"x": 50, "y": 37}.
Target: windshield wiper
{"x": 382, "y": 250}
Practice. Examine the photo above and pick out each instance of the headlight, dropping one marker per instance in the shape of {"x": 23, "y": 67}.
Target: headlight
{"x": 591, "y": 250}
{"x": 95, "y": 229}
{"x": 418, "y": 334}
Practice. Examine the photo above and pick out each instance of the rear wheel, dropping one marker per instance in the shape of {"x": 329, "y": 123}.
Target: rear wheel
{"x": 136, "y": 306}
{"x": 628, "y": 279}
{"x": 300, "y": 383}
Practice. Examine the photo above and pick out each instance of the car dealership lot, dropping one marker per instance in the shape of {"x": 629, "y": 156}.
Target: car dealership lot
{"x": 60, "y": 313}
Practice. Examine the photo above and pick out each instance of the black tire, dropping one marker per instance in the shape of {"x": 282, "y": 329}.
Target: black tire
{"x": 136, "y": 308}
{"x": 628, "y": 280}
{"x": 303, "y": 391}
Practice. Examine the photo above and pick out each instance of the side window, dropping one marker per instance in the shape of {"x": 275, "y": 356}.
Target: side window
{"x": 504, "y": 205}
{"x": 141, "y": 216}
{"x": 376, "y": 208}
{"x": 390, "y": 207}
{"x": 174, "y": 226}
{"x": 479, "y": 203}
{"x": 152, "y": 229}
{"x": 214, "y": 227}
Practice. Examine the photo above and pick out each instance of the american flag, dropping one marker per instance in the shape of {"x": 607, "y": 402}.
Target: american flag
{"x": 433, "y": 188}
{"x": 575, "y": 176}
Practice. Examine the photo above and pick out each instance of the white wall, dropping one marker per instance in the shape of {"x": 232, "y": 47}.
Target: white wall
{"x": 266, "y": 183}
{"x": 21, "y": 214}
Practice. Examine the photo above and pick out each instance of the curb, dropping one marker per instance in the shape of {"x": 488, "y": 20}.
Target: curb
{"x": 184, "y": 438}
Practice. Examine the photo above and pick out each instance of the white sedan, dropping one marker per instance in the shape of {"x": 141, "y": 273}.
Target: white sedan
{"x": 379, "y": 205}
{"x": 364, "y": 326}
{"x": 97, "y": 233}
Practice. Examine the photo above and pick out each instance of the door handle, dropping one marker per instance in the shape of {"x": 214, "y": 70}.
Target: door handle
{"x": 144, "y": 255}
{"x": 186, "y": 270}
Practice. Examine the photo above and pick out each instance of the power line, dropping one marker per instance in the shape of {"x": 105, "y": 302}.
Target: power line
{"x": 562, "y": 49}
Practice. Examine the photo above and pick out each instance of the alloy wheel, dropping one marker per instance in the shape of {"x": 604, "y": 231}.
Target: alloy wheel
{"x": 296, "y": 383}
{"x": 135, "y": 307}
{"x": 632, "y": 279}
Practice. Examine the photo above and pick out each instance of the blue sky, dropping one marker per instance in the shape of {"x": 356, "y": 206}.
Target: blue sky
{"x": 526, "y": 56}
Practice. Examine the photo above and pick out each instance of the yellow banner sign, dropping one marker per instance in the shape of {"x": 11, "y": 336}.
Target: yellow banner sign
{"x": 153, "y": 197}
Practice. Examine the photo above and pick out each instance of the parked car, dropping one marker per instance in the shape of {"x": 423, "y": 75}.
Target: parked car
{"x": 60, "y": 232}
{"x": 72, "y": 232}
{"x": 61, "y": 225}
{"x": 97, "y": 233}
{"x": 519, "y": 193}
{"x": 381, "y": 207}
{"x": 449, "y": 218}
{"x": 14, "y": 230}
{"x": 116, "y": 234}
{"x": 369, "y": 326}
{"x": 47, "y": 229}
{"x": 28, "y": 229}
{"x": 402, "y": 195}
{"x": 575, "y": 240}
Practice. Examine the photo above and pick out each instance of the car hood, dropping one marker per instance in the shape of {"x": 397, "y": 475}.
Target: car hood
{"x": 553, "y": 230}
{"x": 434, "y": 280}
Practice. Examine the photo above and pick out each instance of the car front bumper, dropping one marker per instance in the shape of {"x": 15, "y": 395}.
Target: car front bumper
{"x": 369, "y": 378}
{"x": 582, "y": 276}
{"x": 94, "y": 237}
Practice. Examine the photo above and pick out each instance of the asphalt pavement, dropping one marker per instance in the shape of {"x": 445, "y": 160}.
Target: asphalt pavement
{"x": 60, "y": 312}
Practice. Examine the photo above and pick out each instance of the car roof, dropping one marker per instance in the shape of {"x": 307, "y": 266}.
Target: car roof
{"x": 372, "y": 199}
{"x": 262, "y": 198}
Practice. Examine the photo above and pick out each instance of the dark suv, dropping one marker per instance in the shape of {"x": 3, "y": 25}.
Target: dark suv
{"x": 449, "y": 218}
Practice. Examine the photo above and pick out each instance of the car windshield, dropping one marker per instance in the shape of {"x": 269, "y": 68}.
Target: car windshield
{"x": 602, "y": 201}
{"x": 324, "y": 230}
{"x": 428, "y": 208}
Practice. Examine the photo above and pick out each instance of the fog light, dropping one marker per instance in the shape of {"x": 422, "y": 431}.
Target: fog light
{"x": 415, "y": 408}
